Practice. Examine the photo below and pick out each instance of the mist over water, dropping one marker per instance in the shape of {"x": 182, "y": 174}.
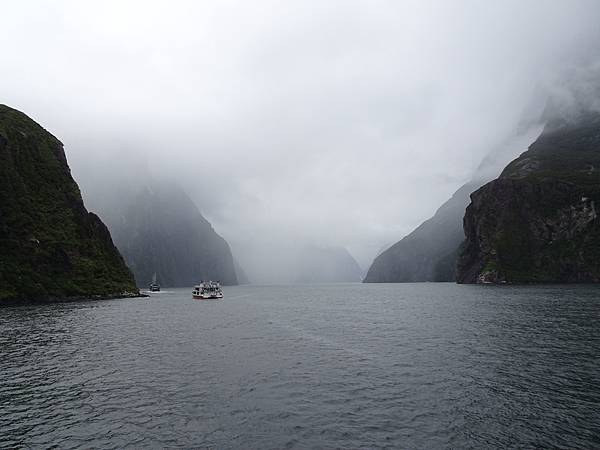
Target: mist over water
{"x": 279, "y": 147}
{"x": 335, "y": 125}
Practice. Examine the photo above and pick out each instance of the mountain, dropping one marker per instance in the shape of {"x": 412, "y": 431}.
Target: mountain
{"x": 538, "y": 221}
{"x": 429, "y": 252}
{"x": 159, "y": 229}
{"x": 51, "y": 247}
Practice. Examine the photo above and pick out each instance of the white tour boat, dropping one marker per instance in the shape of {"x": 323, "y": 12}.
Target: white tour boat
{"x": 207, "y": 290}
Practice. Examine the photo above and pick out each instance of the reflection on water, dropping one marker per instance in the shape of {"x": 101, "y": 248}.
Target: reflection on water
{"x": 331, "y": 366}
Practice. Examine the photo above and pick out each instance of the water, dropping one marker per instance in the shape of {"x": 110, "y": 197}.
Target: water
{"x": 331, "y": 366}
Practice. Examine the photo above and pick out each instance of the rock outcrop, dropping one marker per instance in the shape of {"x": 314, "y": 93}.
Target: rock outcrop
{"x": 538, "y": 221}
{"x": 51, "y": 247}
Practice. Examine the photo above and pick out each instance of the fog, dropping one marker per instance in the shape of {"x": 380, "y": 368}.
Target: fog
{"x": 330, "y": 123}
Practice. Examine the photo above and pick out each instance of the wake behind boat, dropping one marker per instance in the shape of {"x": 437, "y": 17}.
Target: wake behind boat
{"x": 207, "y": 290}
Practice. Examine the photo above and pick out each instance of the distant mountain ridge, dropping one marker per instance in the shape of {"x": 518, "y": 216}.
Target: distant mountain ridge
{"x": 159, "y": 229}
{"x": 51, "y": 247}
{"x": 429, "y": 252}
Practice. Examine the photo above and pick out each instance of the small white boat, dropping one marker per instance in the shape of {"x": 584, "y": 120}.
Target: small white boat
{"x": 207, "y": 290}
{"x": 154, "y": 286}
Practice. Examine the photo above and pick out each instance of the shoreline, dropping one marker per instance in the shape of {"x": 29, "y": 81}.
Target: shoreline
{"x": 79, "y": 298}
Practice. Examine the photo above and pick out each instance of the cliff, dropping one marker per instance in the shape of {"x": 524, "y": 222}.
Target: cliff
{"x": 159, "y": 229}
{"x": 538, "y": 221}
{"x": 51, "y": 247}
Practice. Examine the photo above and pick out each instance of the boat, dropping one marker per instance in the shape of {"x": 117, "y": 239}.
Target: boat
{"x": 154, "y": 286}
{"x": 207, "y": 290}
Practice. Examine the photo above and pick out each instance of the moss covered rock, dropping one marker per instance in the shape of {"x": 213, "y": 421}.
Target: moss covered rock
{"x": 51, "y": 247}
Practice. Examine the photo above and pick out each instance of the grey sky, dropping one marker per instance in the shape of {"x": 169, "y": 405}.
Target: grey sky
{"x": 335, "y": 122}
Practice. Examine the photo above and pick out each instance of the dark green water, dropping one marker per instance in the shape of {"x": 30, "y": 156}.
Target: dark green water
{"x": 330, "y": 366}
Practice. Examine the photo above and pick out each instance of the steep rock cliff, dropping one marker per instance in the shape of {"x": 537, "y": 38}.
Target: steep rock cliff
{"x": 51, "y": 247}
{"x": 538, "y": 221}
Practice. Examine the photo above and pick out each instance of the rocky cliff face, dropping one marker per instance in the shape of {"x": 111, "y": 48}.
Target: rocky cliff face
{"x": 51, "y": 247}
{"x": 159, "y": 229}
{"x": 538, "y": 221}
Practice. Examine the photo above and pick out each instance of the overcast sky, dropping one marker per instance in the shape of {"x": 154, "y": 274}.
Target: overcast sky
{"x": 336, "y": 122}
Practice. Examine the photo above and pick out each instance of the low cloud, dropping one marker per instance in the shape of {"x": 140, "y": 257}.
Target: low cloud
{"x": 340, "y": 123}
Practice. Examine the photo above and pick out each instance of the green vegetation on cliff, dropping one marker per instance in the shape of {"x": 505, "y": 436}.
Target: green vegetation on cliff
{"x": 51, "y": 247}
{"x": 538, "y": 221}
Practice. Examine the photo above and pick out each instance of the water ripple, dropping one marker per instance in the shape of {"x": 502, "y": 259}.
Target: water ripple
{"x": 338, "y": 366}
